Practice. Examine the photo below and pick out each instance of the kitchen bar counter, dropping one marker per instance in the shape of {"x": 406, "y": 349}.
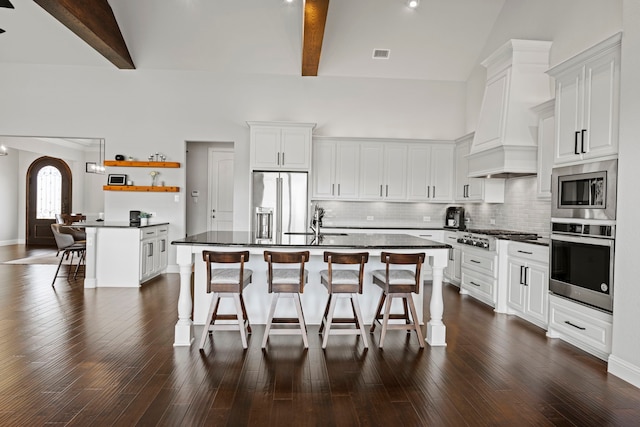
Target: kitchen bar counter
{"x": 257, "y": 299}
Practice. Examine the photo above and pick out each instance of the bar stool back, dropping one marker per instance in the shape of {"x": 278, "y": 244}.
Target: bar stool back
{"x": 398, "y": 283}
{"x": 227, "y": 283}
{"x": 286, "y": 282}
{"x": 343, "y": 283}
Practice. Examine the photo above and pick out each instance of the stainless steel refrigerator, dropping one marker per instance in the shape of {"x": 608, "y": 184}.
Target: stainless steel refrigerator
{"x": 279, "y": 204}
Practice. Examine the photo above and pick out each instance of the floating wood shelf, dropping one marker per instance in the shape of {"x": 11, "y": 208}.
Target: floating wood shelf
{"x": 134, "y": 164}
{"x": 141, "y": 188}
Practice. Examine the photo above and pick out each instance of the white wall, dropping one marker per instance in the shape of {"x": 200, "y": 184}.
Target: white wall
{"x": 9, "y": 198}
{"x": 625, "y": 358}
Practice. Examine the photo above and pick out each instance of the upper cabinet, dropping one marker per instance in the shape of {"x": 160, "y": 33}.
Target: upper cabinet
{"x": 335, "y": 170}
{"x": 430, "y": 172}
{"x": 490, "y": 190}
{"x": 546, "y": 142}
{"x": 587, "y": 104}
{"x": 280, "y": 145}
{"x": 383, "y": 171}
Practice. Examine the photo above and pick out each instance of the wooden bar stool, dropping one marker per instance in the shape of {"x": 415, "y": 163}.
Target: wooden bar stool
{"x": 286, "y": 282}
{"x": 343, "y": 283}
{"x": 227, "y": 283}
{"x": 398, "y": 283}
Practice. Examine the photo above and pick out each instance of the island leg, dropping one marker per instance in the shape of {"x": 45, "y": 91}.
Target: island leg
{"x": 184, "y": 326}
{"x": 436, "y": 330}
{"x": 90, "y": 280}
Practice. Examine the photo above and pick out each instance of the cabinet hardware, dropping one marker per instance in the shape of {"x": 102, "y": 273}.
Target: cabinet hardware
{"x": 213, "y": 216}
{"x": 526, "y": 274}
{"x": 582, "y": 328}
{"x": 333, "y": 187}
{"x": 387, "y": 194}
{"x": 150, "y": 249}
{"x": 575, "y": 143}
{"x": 338, "y": 189}
{"x": 521, "y": 268}
{"x": 474, "y": 261}
{"x": 474, "y": 283}
{"x": 434, "y": 191}
{"x": 450, "y": 254}
{"x": 149, "y": 233}
{"x": 380, "y": 190}
{"x": 428, "y": 192}
{"x": 278, "y": 159}
{"x": 525, "y": 252}
{"x": 282, "y": 159}
{"x": 582, "y": 141}
{"x": 163, "y": 245}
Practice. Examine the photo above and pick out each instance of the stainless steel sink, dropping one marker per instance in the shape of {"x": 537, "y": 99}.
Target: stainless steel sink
{"x": 308, "y": 233}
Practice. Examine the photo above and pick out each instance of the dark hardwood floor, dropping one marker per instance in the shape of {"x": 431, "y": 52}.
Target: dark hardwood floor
{"x": 71, "y": 356}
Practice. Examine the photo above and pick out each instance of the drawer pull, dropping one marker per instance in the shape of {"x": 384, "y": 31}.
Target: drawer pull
{"x": 149, "y": 233}
{"x": 473, "y": 283}
{"x": 525, "y": 252}
{"x": 575, "y": 326}
{"x": 474, "y": 261}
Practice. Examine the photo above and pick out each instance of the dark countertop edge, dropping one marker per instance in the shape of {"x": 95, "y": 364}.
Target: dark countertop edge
{"x": 114, "y": 225}
{"x": 351, "y": 227}
{"x": 540, "y": 241}
{"x": 324, "y": 245}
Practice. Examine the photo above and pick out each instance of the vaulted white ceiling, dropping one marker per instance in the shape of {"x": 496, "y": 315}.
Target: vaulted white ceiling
{"x": 441, "y": 40}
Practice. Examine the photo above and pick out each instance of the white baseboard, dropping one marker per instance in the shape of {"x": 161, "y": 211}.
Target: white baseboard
{"x": 173, "y": 268}
{"x": 9, "y": 242}
{"x": 624, "y": 370}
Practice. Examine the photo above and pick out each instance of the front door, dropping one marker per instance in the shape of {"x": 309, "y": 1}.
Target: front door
{"x": 48, "y": 194}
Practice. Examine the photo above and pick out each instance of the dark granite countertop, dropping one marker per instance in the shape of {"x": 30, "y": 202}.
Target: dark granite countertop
{"x": 114, "y": 224}
{"x": 329, "y": 240}
{"x": 542, "y": 241}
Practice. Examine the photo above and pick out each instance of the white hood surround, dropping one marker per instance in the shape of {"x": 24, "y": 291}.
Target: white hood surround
{"x": 504, "y": 144}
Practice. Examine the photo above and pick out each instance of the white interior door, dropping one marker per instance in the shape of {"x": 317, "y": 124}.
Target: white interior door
{"x": 220, "y": 210}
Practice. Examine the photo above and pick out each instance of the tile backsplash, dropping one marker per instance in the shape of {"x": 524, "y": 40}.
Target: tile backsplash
{"x": 521, "y": 211}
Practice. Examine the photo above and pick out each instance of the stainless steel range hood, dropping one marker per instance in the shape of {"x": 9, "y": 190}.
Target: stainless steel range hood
{"x": 504, "y": 145}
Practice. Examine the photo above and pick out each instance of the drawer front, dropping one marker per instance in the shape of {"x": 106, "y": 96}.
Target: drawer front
{"x": 529, "y": 251}
{"x": 479, "y": 263}
{"x": 479, "y": 286}
{"x": 148, "y": 233}
{"x": 582, "y": 323}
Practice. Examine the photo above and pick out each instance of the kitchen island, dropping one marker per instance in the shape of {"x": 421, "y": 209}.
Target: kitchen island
{"x": 315, "y": 295}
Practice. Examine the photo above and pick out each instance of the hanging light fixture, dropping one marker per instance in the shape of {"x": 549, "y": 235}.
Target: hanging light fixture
{"x": 3, "y": 151}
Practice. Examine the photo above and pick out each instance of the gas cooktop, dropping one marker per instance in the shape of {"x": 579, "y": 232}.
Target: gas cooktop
{"x": 498, "y": 232}
{"x": 485, "y": 238}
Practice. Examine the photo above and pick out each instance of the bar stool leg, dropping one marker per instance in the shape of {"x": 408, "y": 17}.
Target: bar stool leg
{"x": 241, "y": 325}
{"x": 416, "y": 324}
{"x": 207, "y": 324}
{"x": 356, "y": 308}
{"x": 272, "y": 310}
{"x": 378, "y": 310}
{"x": 303, "y": 325}
{"x": 324, "y": 316}
{"x": 329, "y": 317}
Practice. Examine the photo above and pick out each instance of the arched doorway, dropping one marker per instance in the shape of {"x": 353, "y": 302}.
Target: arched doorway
{"x": 48, "y": 194}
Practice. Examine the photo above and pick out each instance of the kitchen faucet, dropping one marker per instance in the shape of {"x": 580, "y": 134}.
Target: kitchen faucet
{"x": 315, "y": 222}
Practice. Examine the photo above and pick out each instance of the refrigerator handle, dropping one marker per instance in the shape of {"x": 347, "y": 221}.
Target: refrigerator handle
{"x": 278, "y": 219}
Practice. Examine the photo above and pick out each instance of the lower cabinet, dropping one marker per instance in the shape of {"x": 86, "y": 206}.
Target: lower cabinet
{"x": 153, "y": 252}
{"x": 528, "y": 282}
{"x": 585, "y": 327}
{"x": 453, "y": 273}
{"x": 479, "y": 272}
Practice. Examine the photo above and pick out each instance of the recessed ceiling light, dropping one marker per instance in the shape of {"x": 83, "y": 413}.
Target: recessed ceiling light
{"x": 413, "y": 3}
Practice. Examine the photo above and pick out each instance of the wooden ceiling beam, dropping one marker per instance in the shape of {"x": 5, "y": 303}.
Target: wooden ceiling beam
{"x": 94, "y": 22}
{"x": 315, "y": 17}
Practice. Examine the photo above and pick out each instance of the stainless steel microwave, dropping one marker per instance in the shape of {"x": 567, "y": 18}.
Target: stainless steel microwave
{"x": 585, "y": 191}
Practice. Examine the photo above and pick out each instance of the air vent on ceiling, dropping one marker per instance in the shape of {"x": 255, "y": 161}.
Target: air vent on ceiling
{"x": 381, "y": 53}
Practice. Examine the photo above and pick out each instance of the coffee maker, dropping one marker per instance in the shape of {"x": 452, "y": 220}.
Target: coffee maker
{"x": 454, "y": 219}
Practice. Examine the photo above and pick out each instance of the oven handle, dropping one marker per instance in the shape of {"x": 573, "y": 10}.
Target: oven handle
{"x": 582, "y": 239}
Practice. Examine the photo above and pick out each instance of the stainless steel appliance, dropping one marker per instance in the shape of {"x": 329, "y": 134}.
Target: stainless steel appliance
{"x": 279, "y": 203}
{"x": 581, "y": 265}
{"x": 454, "y": 218}
{"x": 585, "y": 191}
{"x": 486, "y": 238}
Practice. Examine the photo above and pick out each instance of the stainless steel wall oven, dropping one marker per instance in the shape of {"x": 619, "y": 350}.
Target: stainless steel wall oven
{"x": 581, "y": 264}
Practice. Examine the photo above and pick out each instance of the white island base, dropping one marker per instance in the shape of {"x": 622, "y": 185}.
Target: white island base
{"x": 314, "y": 298}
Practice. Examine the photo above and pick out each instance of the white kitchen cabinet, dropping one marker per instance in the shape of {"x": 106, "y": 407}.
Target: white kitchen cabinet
{"x": 528, "y": 282}
{"x": 129, "y": 256}
{"x": 580, "y": 325}
{"x": 490, "y": 190}
{"x": 430, "y": 172}
{"x": 383, "y": 169}
{"x": 453, "y": 272}
{"x": 280, "y": 145}
{"x": 587, "y": 104}
{"x": 479, "y": 272}
{"x": 335, "y": 170}
{"x": 546, "y": 144}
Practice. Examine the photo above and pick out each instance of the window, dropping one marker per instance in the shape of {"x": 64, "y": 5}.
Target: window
{"x": 49, "y": 193}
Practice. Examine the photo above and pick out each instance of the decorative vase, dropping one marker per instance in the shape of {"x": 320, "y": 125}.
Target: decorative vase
{"x": 144, "y": 221}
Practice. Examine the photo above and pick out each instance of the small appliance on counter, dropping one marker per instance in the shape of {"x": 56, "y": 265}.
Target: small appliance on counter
{"x": 454, "y": 218}
{"x": 134, "y": 218}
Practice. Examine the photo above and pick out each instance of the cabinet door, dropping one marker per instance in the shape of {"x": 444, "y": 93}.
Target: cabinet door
{"x": 395, "y": 172}
{"x": 515, "y": 286}
{"x": 295, "y": 148}
{"x": 347, "y": 170}
{"x": 265, "y": 147}
{"x": 568, "y": 117}
{"x": 462, "y": 170}
{"x": 546, "y": 132}
{"x": 441, "y": 173}
{"x": 371, "y": 171}
{"x": 537, "y": 292}
{"x": 147, "y": 265}
{"x": 161, "y": 252}
{"x": 323, "y": 171}
{"x": 601, "y": 99}
{"x": 418, "y": 172}
{"x": 475, "y": 189}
